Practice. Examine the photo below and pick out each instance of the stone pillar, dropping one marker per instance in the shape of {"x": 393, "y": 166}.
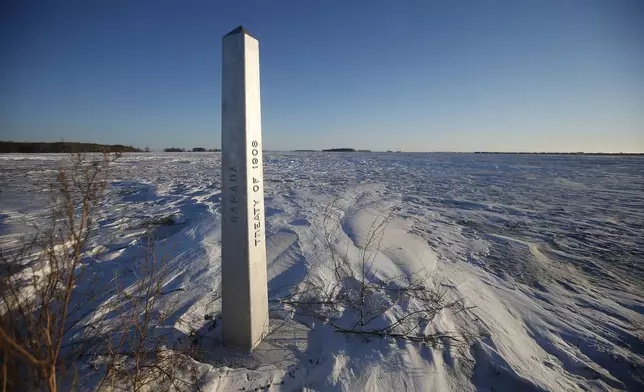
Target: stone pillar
{"x": 243, "y": 239}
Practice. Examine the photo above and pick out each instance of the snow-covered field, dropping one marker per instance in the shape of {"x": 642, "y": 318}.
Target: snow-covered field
{"x": 547, "y": 251}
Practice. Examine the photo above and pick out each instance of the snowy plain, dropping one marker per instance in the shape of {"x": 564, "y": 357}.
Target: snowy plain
{"x": 546, "y": 251}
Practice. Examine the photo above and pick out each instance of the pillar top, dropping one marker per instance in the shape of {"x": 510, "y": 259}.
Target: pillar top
{"x": 238, "y": 30}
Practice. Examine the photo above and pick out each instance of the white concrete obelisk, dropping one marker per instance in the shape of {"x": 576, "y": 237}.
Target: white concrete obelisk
{"x": 243, "y": 239}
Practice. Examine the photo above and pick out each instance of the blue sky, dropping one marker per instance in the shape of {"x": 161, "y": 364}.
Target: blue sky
{"x": 405, "y": 75}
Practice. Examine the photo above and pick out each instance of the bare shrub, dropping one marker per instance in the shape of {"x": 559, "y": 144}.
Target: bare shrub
{"x": 358, "y": 302}
{"x": 38, "y": 281}
{"x": 136, "y": 352}
{"x": 56, "y": 311}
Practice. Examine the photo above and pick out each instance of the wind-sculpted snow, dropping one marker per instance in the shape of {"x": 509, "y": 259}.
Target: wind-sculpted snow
{"x": 547, "y": 251}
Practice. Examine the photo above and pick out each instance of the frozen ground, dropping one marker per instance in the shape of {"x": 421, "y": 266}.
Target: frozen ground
{"x": 548, "y": 250}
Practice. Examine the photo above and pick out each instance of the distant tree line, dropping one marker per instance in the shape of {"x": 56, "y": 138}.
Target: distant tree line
{"x": 61, "y": 147}
{"x": 196, "y": 149}
{"x": 344, "y": 149}
{"x": 559, "y": 153}
{"x": 340, "y": 150}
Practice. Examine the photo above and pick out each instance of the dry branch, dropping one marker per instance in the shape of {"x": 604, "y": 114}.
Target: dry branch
{"x": 357, "y": 302}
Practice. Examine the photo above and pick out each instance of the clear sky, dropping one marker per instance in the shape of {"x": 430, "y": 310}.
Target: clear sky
{"x": 560, "y": 75}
